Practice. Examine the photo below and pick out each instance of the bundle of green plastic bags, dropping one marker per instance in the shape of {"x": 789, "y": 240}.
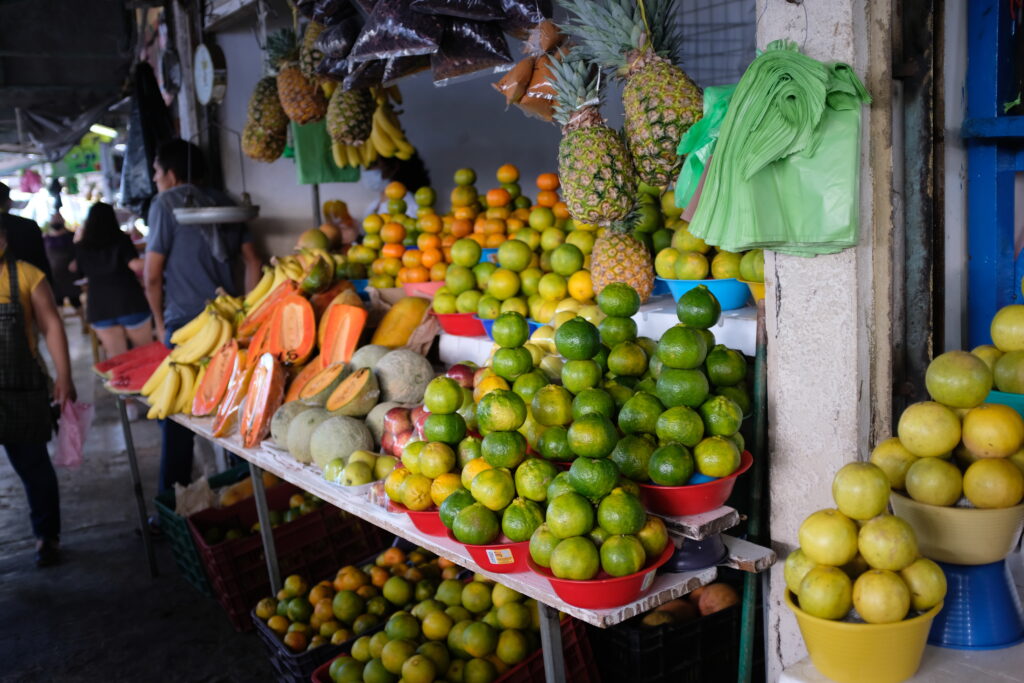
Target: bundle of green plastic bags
{"x": 785, "y": 170}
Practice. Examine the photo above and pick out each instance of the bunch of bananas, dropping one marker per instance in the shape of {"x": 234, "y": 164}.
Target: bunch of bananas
{"x": 172, "y": 388}
{"x": 387, "y": 139}
{"x": 203, "y": 335}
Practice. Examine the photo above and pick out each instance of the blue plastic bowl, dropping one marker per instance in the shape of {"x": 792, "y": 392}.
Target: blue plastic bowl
{"x": 534, "y": 325}
{"x": 660, "y": 287}
{"x": 360, "y": 287}
{"x": 1015, "y": 401}
{"x": 731, "y": 293}
{"x": 489, "y": 325}
{"x": 982, "y": 610}
{"x": 489, "y": 254}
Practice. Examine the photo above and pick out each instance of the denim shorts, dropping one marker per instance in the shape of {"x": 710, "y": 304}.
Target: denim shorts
{"x": 130, "y": 321}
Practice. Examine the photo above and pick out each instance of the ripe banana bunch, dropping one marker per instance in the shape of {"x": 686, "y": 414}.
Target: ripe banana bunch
{"x": 354, "y": 155}
{"x": 209, "y": 331}
{"x": 290, "y": 266}
{"x": 256, "y": 295}
{"x": 309, "y": 255}
{"x": 386, "y": 135}
{"x": 228, "y": 306}
{"x": 172, "y": 388}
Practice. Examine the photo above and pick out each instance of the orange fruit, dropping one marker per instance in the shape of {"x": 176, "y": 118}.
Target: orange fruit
{"x": 417, "y": 274}
{"x": 438, "y": 271}
{"x": 448, "y": 240}
{"x": 547, "y": 198}
{"x": 561, "y": 210}
{"x": 428, "y": 241}
{"x": 495, "y": 240}
{"x": 498, "y": 212}
{"x": 494, "y": 226}
{"x": 499, "y": 196}
{"x": 391, "y": 265}
{"x": 431, "y": 223}
{"x": 547, "y": 181}
{"x": 392, "y": 232}
{"x": 394, "y": 251}
{"x": 377, "y": 267}
{"x": 465, "y": 212}
{"x": 431, "y": 257}
{"x": 507, "y": 173}
{"x": 463, "y": 196}
{"x": 412, "y": 258}
{"x": 373, "y": 242}
{"x": 462, "y": 227}
{"x": 395, "y": 190}
{"x": 479, "y": 238}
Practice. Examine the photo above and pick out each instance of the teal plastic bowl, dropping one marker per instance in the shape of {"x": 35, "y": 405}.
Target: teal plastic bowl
{"x": 1015, "y": 401}
{"x": 731, "y": 293}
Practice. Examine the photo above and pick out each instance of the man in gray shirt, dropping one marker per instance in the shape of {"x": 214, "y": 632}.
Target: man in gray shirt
{"x": 185, "y": 264}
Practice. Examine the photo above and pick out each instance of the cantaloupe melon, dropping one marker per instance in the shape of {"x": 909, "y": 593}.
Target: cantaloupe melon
{"x": 368, "y": 356}
{"x": 356, "y": 395}
{"x": 301, "y": 429}
{"x": 403, "y": 376}
{"x": 375, "y": 418}
{"x": 282, "y": 418}
{"x": 320, "y": 385}
{"x": 338, "y": 437}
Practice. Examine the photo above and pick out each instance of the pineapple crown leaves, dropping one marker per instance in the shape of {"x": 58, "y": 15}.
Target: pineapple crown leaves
{"x": 282, "y": 47}
{"x": 576, "y": 84}
{"x": 612, "y": 32}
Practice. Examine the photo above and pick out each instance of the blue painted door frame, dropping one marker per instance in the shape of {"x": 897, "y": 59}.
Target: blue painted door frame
{"x": 995, "y": 153}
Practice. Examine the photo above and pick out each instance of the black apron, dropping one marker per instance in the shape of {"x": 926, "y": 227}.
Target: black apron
{"x": 24, "y": 393}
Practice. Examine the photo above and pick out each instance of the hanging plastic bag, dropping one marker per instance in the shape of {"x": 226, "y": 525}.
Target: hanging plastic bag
{"x": 699, "y": 141}
{"x": 543, "y": 38}
{"x": 365, "y": 5}
{"x": 469, "y": 47}
{"x": 514, "y": 83}
{"x": 477, "y": 10}
{"x": 394, "y": 30}
{"x": 523, "y": 15}
{"x": 400, "y": 67}
{"x": 331, "y": 12}
{"x": 72, "y": 428}
{"x": 337, "y": 40}
{"x": 539, "y": 99}
{"x": 364, "y": 74}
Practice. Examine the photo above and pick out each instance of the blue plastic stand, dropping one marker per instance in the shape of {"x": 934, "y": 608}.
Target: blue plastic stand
{"x": 982, "y": 610}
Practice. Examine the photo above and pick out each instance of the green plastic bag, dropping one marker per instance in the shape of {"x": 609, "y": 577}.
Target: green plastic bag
{"x": 785, "y": 173}
{"x": 314, "y": 163}
{"x": 698, "y": 142}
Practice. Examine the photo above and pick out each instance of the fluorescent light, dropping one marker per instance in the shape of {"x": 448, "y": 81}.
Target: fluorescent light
{"x": 103, "y": 130}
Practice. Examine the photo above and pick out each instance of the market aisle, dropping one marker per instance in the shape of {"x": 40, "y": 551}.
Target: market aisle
{"x": 98, "y": 615}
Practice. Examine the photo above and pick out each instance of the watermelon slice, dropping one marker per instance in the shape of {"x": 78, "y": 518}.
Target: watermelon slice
{"x": 129, "y": 379}
{"x": 149, "y": 352}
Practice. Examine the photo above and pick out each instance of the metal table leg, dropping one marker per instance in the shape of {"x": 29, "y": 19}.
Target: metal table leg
{"x": 259, "y": 494}
{"x": 551, "y": 643}
{"x": 133, "y": 466}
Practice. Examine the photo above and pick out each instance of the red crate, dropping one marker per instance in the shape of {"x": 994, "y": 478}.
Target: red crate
{"x": 579, "y": 660}
{"x": 315, "y": 544}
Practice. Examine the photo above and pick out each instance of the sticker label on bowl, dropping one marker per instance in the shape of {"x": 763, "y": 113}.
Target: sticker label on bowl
{"x": 648, "y": 580}
{"x": 500, "y": 556}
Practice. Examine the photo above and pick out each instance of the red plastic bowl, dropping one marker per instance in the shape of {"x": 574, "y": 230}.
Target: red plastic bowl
{"x": 425, "y": 290}
{"x": 695, "y": 498}
{"x": 605, "y": 591}
{"x": 500, "y": 558}
{"x": 427, "y": 521}
{"x": 461, "y": 324}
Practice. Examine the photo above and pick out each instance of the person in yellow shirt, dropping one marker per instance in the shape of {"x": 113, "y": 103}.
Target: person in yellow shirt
{"x": 27, "y": 308}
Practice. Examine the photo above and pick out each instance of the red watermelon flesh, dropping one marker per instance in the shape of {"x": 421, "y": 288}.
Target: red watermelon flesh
{"x": 130, "y": 379}
{"x": 149, "y": 352}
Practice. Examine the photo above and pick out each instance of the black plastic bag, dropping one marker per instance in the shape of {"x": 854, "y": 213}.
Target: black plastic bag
{"x": 477, "y": 10}
{"x": 331, "y": 12}
{"x": 364, "y": 74}
{"x": 365, "y": 5}
{"x": 400, "y": 67}
{"x": 394, "y": 30}
{"x": 522, "y": 15}
{"x": 468, "y": 47}
{"x": 337, "y": 40}
{"x": 306, "y": 7}
{"x": 149, "y": 126}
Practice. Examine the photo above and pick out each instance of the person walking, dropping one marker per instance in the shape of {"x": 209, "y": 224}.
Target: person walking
{"x": 60, "y": 253}
{"x": 185, "y": 265}
{"x": 24, "y": 238}
{"x": 26, "y": 420}
{"x": 116, "y": 307}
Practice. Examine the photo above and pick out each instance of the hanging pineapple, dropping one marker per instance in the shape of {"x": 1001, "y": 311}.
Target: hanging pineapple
{"x": 309, "y": 55}
{"x": 350, "y": 115}
{"x": 597, "y": 176}
{"x": 266, "y": 126}
{"x": 301, "y": 98}
{"x": 638, "y": 39}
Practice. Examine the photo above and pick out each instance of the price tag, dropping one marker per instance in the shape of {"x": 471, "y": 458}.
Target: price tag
{"x": 648, "y": 580}
{"x": 500, "y": 556}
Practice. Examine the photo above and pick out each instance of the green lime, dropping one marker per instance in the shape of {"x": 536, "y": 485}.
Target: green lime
{"x": 619, "y": 392}
{"x": 739, "y": 396}
{"x": 717, "y": 456}
{"x": 443, "y": 396}
{"x": 570, "y": 514}
{"x": 627, "y": 358}
{"x": 533, "y": 477}
{"x": 510, "y": 330}
{"x": 449, "y": 429}
{"x": 527, "y": 385}
{"x": 631, "y": 455}
{"x": 698, "y": 308}
{"x": 575, "y": 558}
{"x": 647, "y": 217}
{"x": 680, "y": 425}
{"x": 494, "y": 488}
{"x": 662, "y": 239}
{"x": 596, "y": 401}
{"x": 598, "y": 536}
{"x": 468, "y": 449}
{"x": 640, "y": 413}
{"x": 552, "y": 405}
{"x": 566, "y": 259}
{"x": 482, "y": 272}
{"x": 738, "y": 439}
{"x": 622, "y": 555}
{"x": 593, "y": 477}
{"x": 671, "y": 465}
{"x": 621, "y": 513}
{"x": 682, "y": 388}
{"x": 726, "y": 367}
{"x": 577, "y": 339}
{"x": 554, "y": 444}
{"x": 559, "y": 485}
{"x": 452, "y": 505}
{"x": 476, "y": 525}
{"x": 721, "y": 415}
{"x": 578, "y": 375}
{"x": 520, "y": 519}
{"x": 615, "y": 330}
{"x": 510, "y": 363}
{"x": 500, "y": 410}
{"x": 514, "y": 255}
{"x": 488, "y": 308}
{"x": 503, "y": 449}
{"x": 618, "y": 299}
{"x": 468, "y": 302}
{"x": 592, "y": 436}
{"x": 647, "y": 384}
{"x": 682, "y": 348}
{"x": 601, "y": 357}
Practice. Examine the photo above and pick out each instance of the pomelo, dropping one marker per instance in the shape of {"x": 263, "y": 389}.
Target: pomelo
{"x": 958, "y": 379}
{"x": 929, "y": 429}
{"x": 927, "y": 583}
{"x": 934, "y": 481}
{"x": 888, "y": 542}
{"x": 894, "y": 459}
{"x": 1007, "y": 328}
{"x": 993, "y": 430}
{"x": 881, "y": 597}
{"x": 829, "y": 537}
{"x": 861, "y": 490}
{"x": 795, "y": 569}
{"x": 993, "y": 483}
{"x": 826, "y": 592}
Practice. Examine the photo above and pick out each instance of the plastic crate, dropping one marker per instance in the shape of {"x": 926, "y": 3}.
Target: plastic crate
{"x": 705, "y": 650}
{"x": 175, "y": 529}
{"x": 580, "y": 666}
{"x": 314, "y": 544}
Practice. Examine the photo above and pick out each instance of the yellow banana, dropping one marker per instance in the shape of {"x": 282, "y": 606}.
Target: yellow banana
{"x": 154, "y": 381}
{"x": 189, "y": 330}
{"x": 353, "y": 156}
{"x": 385, "y": 117}
{"x": 186, "y": 385}
{"x": 294, "y": 270}
{"x": 339, "y": 155}
{"x": 403, "y": 155}
{"x": 226, "y": 332}
{"x": 328, "y": 87}
{"x": 383, "y": 144}
{"x": 202, "y": 344}
{"x": 262, "y": 287}
{"x": 162, "y": 400}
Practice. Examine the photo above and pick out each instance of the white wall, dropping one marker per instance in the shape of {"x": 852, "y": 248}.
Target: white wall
{"x": 955, "y": 181}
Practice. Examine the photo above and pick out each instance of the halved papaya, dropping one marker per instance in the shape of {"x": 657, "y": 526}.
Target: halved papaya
{"x": 356, "y": 395}
{"x": 292, "y": 330}
{"x": 342, "y": 326}
{"x": 322, "y": 300}
{"x": 309, "y": 370}
{"x": 227, "y": 411}
{"x": 251, "y": 323}
{"x": 323, "y": 383}
{"x": 263, "y": 398}
{"x": 215, "y": 380}
{"x": 258, "y": 344}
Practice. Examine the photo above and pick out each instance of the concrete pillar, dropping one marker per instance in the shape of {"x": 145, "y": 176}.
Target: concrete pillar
{"x": 829, "y": 317}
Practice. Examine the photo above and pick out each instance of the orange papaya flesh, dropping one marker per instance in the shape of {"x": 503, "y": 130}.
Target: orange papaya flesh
{"x": 259, "y": 343}
{"x": 249, "y": 326}
{"x": 215, "y": 380}
{"x": 308, "y": 372}
{"x": 227, "y": 411}
{"x": 262, "y": 399}
{"x": 343, "y": 326}
{"x": 292, "y": 330}
{"x": 321, "y": 300}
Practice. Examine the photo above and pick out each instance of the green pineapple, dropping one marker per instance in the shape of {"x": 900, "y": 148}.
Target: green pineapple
{"x": 593, "y": 163}
{"x": 309, "y": 55}
{"x": 660, "y": 101}
{"x": 350, "y": 116}
{"x": 620, "y": 257}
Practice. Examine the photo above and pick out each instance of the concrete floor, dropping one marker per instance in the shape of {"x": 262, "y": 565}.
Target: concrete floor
{"x": 99, "y": 616}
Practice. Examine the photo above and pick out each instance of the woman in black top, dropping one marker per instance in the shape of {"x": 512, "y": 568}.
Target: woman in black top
{"x": 116, "y": 305}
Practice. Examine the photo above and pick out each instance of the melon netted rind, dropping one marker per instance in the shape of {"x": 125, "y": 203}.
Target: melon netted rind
{"x": 375, "y": 419}
{"x": 300, "y": 431}
{"x": 368, "y": 356}
{"x": 403, "y": 376}
{"x": 283, "y": 417}
{"x": 338, "y": 437}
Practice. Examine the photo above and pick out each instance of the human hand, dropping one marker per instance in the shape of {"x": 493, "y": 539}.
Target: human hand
{"x": 64, "y": 390}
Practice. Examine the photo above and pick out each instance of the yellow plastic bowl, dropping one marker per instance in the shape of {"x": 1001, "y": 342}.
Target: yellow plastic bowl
{"x": 756, "y": 289}
{"x": 865, "y": 653}
{"x": 961, "y": 535}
